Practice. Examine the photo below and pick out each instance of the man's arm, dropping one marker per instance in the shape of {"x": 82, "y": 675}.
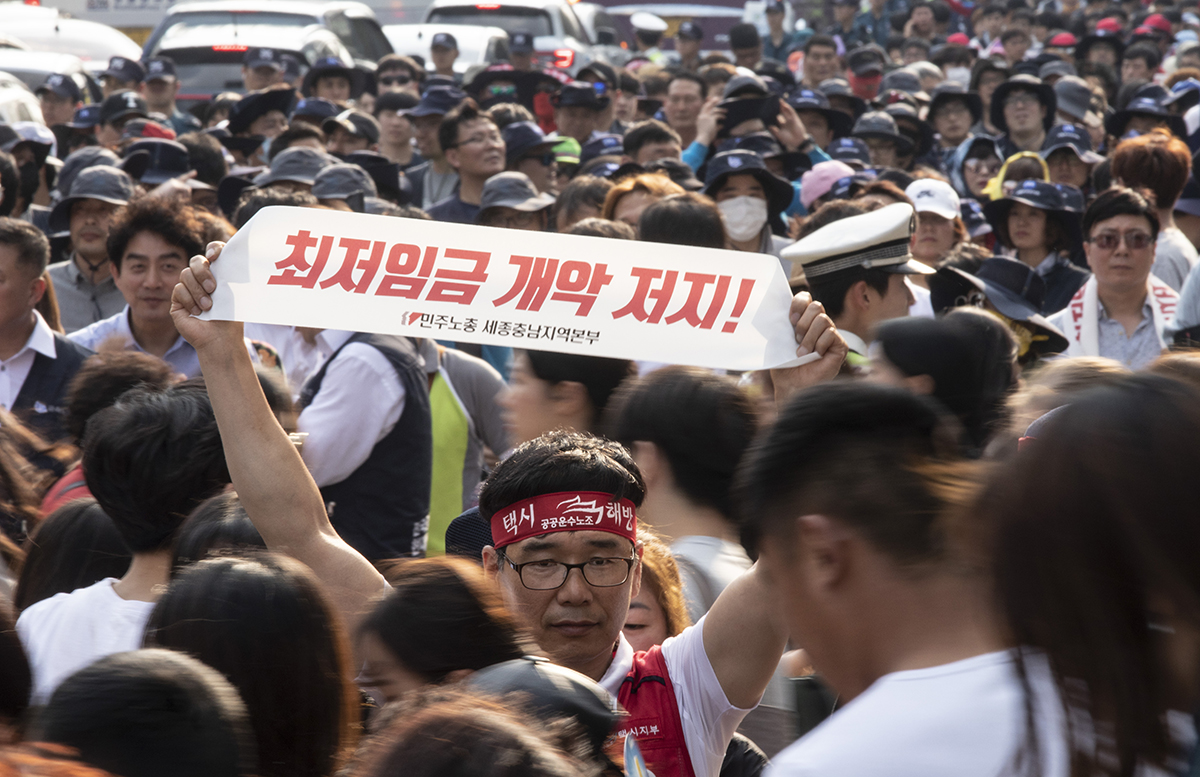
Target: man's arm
{"x": 272, "y": 482}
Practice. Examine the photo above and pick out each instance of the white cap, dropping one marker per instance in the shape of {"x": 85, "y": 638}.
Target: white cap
{"x": 644, "y": 20}
{"x": 930, "y": 195}
{"x": 875, "y": 240}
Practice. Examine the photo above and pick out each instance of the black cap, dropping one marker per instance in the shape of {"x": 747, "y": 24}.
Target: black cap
{"x": 601, "y": 145}
{"x": 779, "y": 192}
{"x": 1149, "y": 100}
{"x": 744, "y": 36}
{"x": 257, "y": 104}
{"x": 229, "y": 191}
{"x": 393, "y": 101}
{"x": 263, "y": 57}
{"x": 385, "y": 173}
{"x": 948, "y": 91}
{"x": 878, "y": 124}
{"x": 122, "y": 105}
{"x": 161, "y": 68}
{"x": 849, "y": 150}
{"x": 124, "y": 69}
{"x": 443, "y": 40}
{"x": 814, "y": 101}
{"x": 522, "y": 138}
{"x": 690, "y": 31}
{"x": 1044, "y": 93}
{"x": 582, "y": 94}
{"x": 520, "y": 43}
{"x": 678, "y": 171}
{"x": 1041, "y": 195}
{"x": 333, "y": 66}
{"x": 167, "y": 159}
{"x": 357, "y": 123}
{"x": 62, "y": 85}
{"x": 438, "y": 101}
{"x": 316, "y": 107}
{"x": 866, "y": 60}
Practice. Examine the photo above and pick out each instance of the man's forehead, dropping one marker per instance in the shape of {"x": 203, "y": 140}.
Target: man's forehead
{"x": 571, "y": 540}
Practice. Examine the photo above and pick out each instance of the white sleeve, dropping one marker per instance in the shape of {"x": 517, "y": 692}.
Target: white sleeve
{"x": 360, "y": 401}
{"x": 709, "y": 719}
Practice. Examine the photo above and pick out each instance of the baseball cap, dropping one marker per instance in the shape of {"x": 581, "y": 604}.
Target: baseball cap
{"x": 443, "y": 40}
{"x": 341, "y": 181}
{"x": 566, "y": 151}
{"x": 582, "y": 94}
{"x": 299, "y": 163}
{"x": 161, "y": 68}
{"x": 520, "y": 43}
{"x": 601, "y": 145}
{"x": 263, "y": 57}
{"x": 36, "y": 135}
{"x": 866, "y": 60}
{"x": 145, "y": 128}
{"x": 124, "y": 69}
{"x": 775, "y": 6}
{"x": 122, "y": 105}
{"x": 930, "y": 195}
{"x": 385, "y": 173}
{"x": 1063, "y": 40}
{"x": 646, "y": 21}
{"x": 1072, "y": 137}
{"x": 690, "y": 31}
{"x": 100, "y": 182}
{"x": 438, "y": 101}
{"x": 1158, "y": 22}
{"x": 512, "y": 190}
{"x": 957, "y": 39}
{"x": 357, "y": 123}
{"x": 876, "y": 240}
{"x": 850, "y": 150}
{"x": 85, "y": 118}
{"x": 62, "y": 85}
{"x": 817, "y": 182}
{"x": 522, "y": 138}
{"x": 1109, "y": 24}
{"x": 167, "y": 159}
{"x": 316, "y": 108}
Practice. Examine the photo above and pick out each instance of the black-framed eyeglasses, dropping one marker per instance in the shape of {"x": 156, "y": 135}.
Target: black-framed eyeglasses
{"x": 547, "y": 575}
{"x": 397, "y": 80}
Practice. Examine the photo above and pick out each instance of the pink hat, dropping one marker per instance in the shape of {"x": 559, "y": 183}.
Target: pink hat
{"x": 1158, "y": 22}
{"x": 1109, "y": 25}
{"x": 817, "y": 182}
{"x": 1062, "y": 40}
{"x": 959, "y": 38}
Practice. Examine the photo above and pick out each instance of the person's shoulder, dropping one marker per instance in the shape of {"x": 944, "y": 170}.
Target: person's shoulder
{"x": 60, "y": 269}
{"x": 79, "y": 600}
{"x": 459, "y": 362}
{"x": 92, "y": 334}
{"x": 66, "y": 348}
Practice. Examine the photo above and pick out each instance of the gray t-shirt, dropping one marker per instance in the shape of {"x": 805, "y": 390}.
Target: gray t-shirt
{"x": 1174, "y": 258}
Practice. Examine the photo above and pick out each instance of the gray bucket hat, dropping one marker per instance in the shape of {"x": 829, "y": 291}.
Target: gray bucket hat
{"x": 107, "y": 184}
{"x": 877, "y": 124}
{"x": 512, "y": 190}
{"x": 342, "y": 181}
{"x": 300, "y": 164}
{"x": 77, "y": 162}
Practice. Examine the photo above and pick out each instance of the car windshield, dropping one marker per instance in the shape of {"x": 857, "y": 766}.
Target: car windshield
{"x": 223, "y": 27}
{"x": 509, "y": 18}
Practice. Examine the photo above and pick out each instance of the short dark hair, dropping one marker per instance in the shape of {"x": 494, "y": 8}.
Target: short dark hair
{"x": 688, "y": 75}
{"x": 830, "y": 290}
{"x": 441, "y": 616}
{"x": 73, "y": 547}
{"x": 562, "y": 461}
{"x": 103, "y": 378}
{"x": 219, "y": 525}
{"x": 293, "y": 134}
{"x": 1119, "y": 201}
{"x": 503, "y": 114}
{"x": 683, "y": 219}
{"x": 152, "y": 457}
{"x": 254, "y": 200}
{"x": 1013, "y": 34}
{"x": 266, "y": 623}
{"x": 463, "y": 114}
{"x": 820, "y": 40}
{"x": 177, "y": 226}
{"x": 401, "y": 62}
{"x": 598, "y": 227}
{"x": 834, "y": 210}
{"x": 599, "y": 375}
{"x": 205, "y": 157}
{"x": 151, "y": 712}
{"x": 649, "y": 131}
{"x": 701, "y": 422}
{"x": 1058, "y": 236}
{"x": 33, "y": 249}
{"x": 744, "y": 36}
{"x": 10, "y": 184}
{"x": 878, "y": 458}
{"x": 1147, "y": 52}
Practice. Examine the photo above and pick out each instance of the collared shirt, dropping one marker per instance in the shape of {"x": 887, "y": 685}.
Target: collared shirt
{"x": 791, "y": 41}
{"x": 869, "y": 29}
{"x": 360, "y": 401}
{"x": 856, "y": 343}
{"x": 298, "y": 357}
{"x": 184, "y": 123}
{"x": 454, "y": 210}
{"x": 1051, "y": 261}
{"x": 15, "y": 369}
{"x": 1134, "y": 351}
{"x": 81, "y": 302}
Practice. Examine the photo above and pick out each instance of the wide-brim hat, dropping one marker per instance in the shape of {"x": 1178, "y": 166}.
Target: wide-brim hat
{"x": 878, "y": 124}
{"x": 779, "y": 192}
{"x": 257, "y": 104}
{"x": 949, "y": 92}
{"x": 512, "y": 190}
{"x": 1044, "y": 92}
{"x": 925, "y": 134}
{"x": 1036, "y": 194}
{"x": 99, "y": 182}
{"x": 229, "y": 191}
{"x": 813, "y": 101}
{"x": 840, "y": 87}
{"x": 333, "y": 67}
{"x": 950, "y": 281}
{"x": 1147, "y": 101}
{"x": 1099, "y": 36}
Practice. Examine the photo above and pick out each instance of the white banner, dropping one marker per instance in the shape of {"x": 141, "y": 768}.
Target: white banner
{"x": 535, "y": 290}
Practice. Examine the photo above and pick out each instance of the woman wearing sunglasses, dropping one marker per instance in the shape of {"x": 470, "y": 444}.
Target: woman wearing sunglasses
{"x": 1121, "y": 311}
{"x": 1034, "y": 226}
{"x": 975, "y": 162}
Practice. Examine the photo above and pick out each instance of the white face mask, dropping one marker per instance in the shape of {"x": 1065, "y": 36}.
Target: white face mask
{"x": 959, "y": 75}
{"x": 744, "y": 216}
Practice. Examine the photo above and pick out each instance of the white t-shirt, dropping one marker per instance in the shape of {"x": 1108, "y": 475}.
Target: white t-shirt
{"x": 963, "y": 718}
{"x": 709, "y": 719}
{"x": 922, "y": 307}
{"x": 67, "y": 632}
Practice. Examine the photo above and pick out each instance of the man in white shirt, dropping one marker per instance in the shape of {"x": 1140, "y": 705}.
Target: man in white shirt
{"x": 149, "y": 460}
{"x": 849, "y": 500}
{"x": 36, "y": 364}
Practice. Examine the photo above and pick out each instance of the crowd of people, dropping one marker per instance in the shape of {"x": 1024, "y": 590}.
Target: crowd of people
{"x": 955, "y": 540}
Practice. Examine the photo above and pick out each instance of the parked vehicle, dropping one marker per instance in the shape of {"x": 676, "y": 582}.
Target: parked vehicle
{"x": 208, "y": 40}
{"x": 609, "y": 42}
{"x": 559, "y": 39}
{"x": 477, "y": 46}
{"x": 44, "y": 29}
{"x": 17, "y": 102}
{"x": 33, "y": 67}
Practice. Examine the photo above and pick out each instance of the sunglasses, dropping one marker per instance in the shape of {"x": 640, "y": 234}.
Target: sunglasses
{"x": 396, "y": 80}
{"x": 502, "y": 91}
{"x": 546, "y": 159}
{"x": 1134, "y": 240}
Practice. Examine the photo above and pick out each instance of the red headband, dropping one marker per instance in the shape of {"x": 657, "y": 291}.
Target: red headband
{"x": 564, "y": 511}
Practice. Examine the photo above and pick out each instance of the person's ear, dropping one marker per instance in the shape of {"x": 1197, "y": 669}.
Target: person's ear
{"x": 491, "y": 562}
{"x": 451, "y": 155}
{"x": 858, "y": 297}
{"x": 826, "y": 549}
{"x": 37, "y": 289}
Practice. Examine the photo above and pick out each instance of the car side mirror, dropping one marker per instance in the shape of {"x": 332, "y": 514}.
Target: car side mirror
{"x": 606, "y": 36}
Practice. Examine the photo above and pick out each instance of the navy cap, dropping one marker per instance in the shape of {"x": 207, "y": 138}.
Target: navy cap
{"x": 317, "y": 107}
{"x": 815, "y": 101}
{"x": 678, "y": 171}
{"x": 443, "y": 40}
{"x": 341, "y": 181}
{"x": 601, "y": 145}
{"x": 1073, "y": 199}
{"x": 1073, "y": 137}
{"x": 161, "y": 68}
{"x": 1149, "y": 100}
{"x": 167, "y": 159}
{"x": 522, "y": 138}
{"x": 122, "y": 105}
{"x": 99, "y": 182}
{"x": 124, "y": 69}
{"x": 849, "y": 150}
{"x": 333, "y": 66}
{"x": 291, "y": 67}
{"x": 385, "y": 173}
{"x": 762, "y": 143}
{"x": 581, "y": 94}
{"x": 512, "y": 190}
{"x": 690, "y": 31}
{"x": 438, "y": 101}
{"x": 520, "y": 43}
{"x": 62, "y": 85}
{"x": 257, "y": 104}
{"x": 263, "y": 57}
{"x": 973, "y": 218}
{"x": 357, "y": 123}
{"x": 866, "y": 60}
{"x": 85, "y": 118}
{"x": 738, "y": 162}
{"x": 298, "y": 163}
